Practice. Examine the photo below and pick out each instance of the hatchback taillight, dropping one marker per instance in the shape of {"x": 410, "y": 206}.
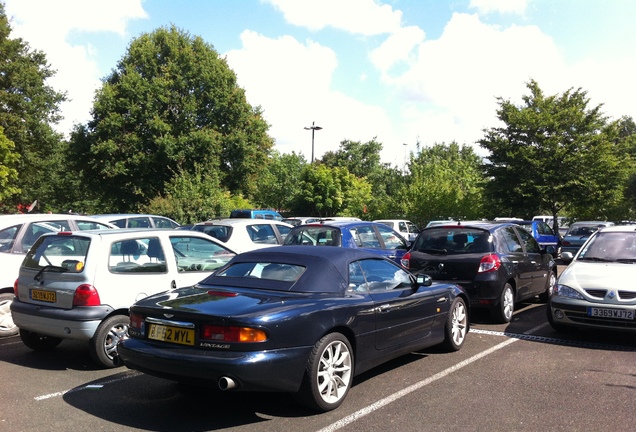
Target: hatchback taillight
{"x": 15, "y": 288}
{"x": 406, "y": 260}
{"x": 565, "y": 243}
{"x": 86, "y": 295}
{"x": 489, "y": 263}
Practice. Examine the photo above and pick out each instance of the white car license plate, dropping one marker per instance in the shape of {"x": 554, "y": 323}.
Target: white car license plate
{"x": 610, "y": 313}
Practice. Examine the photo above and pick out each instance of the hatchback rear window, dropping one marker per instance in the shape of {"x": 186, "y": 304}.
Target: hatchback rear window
{"x": 453, "y": 241}
{"x": 63, "y": 251}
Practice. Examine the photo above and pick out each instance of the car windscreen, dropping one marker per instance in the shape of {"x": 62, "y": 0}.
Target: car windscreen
{"x": 62, "y": 251}
{"x": 610, "y": 246}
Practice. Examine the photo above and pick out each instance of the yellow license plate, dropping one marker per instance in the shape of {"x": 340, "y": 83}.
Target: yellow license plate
{"x": 45, "y": 296}
{"x": 171, "y": 334}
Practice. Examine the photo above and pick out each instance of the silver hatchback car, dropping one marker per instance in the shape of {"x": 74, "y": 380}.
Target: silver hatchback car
{"x": 597, "y": 289}
{"x": 80, "y": 285}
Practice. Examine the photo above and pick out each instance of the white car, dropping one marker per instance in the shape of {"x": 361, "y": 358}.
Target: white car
{"x": 596, "y": 290}
{"x": 405, "y": 227}
{"x": 79, "y": 285}
{"x": 137, "y": 220}
{"x": 18, "y": 232}
{"x": 243, "y": 235}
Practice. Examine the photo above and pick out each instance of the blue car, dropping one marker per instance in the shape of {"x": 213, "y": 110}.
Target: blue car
{"x": 372, "y": 236}
{"x": 543, "y": 234}
{"x": 296, "y": 319}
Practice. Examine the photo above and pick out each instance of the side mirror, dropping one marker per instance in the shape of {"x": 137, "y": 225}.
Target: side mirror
{"x": 423, "y": 280}
{"x": 567, "y": 256}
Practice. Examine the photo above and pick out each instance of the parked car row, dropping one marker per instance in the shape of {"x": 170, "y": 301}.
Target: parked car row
{"x": 313, "y": 304}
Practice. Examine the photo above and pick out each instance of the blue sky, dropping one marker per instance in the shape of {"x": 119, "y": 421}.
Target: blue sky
{"x": 402, "y": 71}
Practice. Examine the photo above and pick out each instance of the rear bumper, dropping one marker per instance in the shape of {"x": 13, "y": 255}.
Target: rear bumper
{"x": 273, "y": 370}
{"x": 78, "y": 323}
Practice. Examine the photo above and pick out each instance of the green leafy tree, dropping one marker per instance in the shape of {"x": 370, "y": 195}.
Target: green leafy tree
{"x": 328, "y": 192}
{"x": 553, "y": 152}
{"x": 191, "y": 198}
{"x": 445, "y": 180}
{"x": 8, "y": 160}
{"x": 171, "y": 105}
{"x": 363, "y": 160}
{"x": 626, "y": 132}
{"x": 279, "y": 183}
{"x": 28, "y": 109}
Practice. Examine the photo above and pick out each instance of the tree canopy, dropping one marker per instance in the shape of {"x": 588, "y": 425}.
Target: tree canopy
{"x": 554, "y": 152}
{"x": 171, "y": 105}
{"x": 28, "y": 110}
{"x": 445, "y": 181}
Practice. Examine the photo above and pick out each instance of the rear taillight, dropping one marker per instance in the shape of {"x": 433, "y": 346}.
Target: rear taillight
{"x": 406, "y": 260}
{"x": 565, "y": 243}
{"x": 86, "y": 295}
{"x": 136, "y": 321}
{"x": 489, "y": 263}
{"x": 15, "y": 288}
{"x": 231, "y": 334}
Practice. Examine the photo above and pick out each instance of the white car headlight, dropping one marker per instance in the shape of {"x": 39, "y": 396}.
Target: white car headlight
{"x": 566, "y": 291}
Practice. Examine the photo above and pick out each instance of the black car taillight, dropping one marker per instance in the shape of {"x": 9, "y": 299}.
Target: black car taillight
{"x": 489, "y": 263}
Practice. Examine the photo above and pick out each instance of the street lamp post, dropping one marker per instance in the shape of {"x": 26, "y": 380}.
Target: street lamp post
{"x": 313, "y": 128}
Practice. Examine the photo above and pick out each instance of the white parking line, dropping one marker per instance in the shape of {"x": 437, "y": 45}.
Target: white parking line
{"x": 86, "y": 387}
{"x": 400, "y": 394}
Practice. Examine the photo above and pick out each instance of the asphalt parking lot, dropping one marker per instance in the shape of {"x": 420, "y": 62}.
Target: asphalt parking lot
{"x": 519, "y": 376}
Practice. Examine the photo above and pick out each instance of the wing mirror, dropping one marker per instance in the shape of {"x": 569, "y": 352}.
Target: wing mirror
{"x": 423, "y": 280}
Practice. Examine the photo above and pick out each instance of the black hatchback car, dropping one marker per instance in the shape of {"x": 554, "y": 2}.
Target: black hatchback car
{"x": 498, "y": 264}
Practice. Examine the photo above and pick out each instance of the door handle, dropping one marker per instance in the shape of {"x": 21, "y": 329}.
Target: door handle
{"x": 173, "y": 284}
{"x": 383, "y": 308}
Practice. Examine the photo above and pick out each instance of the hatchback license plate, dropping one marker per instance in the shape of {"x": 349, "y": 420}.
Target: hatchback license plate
{"x": 610, "y": 313}
{"x": 171, "y": 334}
{"x": 45, "y": 296}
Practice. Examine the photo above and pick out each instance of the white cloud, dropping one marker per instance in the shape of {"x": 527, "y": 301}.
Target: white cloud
{"x": 49, "y": 29}
{"x": 397, "y": 47}
{"x": 450, "y": 93}
{"x": 501, "y": 6}
{"x": 292, "y": 82}
{"x": 365, "y": 17}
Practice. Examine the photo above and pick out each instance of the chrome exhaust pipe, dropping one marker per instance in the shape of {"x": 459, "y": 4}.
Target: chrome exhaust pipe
{"x": 226, "y": 383}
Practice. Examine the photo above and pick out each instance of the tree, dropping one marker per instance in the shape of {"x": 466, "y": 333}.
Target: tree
{"x": 28, "y": 109}
{"x": 360, "y": 159}
{"x": 279, "y": 183}
{"x": 328, "y": 192}
{"x": 445, "y": 180}
{"x": 172, "y": 105}
{"x": 387, "y": 183}
{"x": 8, "y": 174}
{"x": 553, "y": 152}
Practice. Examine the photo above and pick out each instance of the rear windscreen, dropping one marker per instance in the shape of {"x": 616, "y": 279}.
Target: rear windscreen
{"x": 68, "y": 252}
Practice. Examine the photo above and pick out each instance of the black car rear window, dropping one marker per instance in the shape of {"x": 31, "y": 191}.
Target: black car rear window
{"x": 453, "y": 240}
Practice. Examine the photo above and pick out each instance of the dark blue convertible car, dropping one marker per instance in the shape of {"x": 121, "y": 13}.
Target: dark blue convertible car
{"x": 294, "y": 319}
